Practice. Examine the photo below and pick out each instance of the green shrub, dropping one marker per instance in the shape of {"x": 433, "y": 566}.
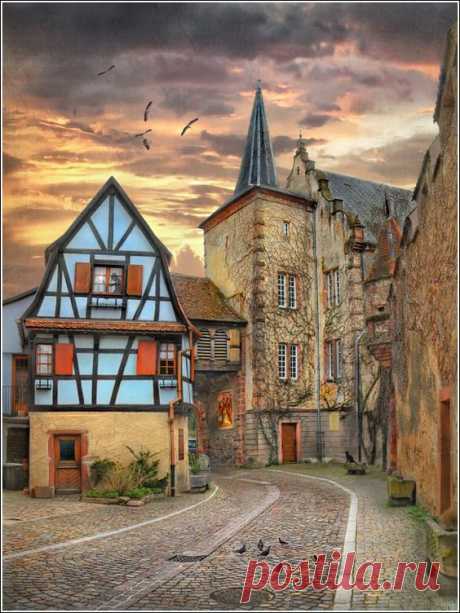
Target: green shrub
{"x": 144, "y": 467}
{"x": 194, "y": 463}
{"x": 121, "y": 479}
{"x": 139, "y": 492}
{"x": 100, "y": 468}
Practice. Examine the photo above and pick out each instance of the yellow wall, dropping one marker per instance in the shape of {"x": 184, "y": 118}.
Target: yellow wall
{"x": 108, "y": 435}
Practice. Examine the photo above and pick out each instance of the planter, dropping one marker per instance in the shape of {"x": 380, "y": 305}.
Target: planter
{"x": 353, "y": 468}
{"x": 199, "y": 481}
{"x": 442, "y": 547}
{"x": 401, "y": 492}
{"x": 100, "y": 500}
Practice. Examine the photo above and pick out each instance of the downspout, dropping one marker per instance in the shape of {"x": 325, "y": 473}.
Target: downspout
{"x": 359, "y": 424}
{"x": 319, "y": 450}
{"x": 172, "y": 446}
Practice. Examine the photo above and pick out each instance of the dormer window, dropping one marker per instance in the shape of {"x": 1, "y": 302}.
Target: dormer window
{"x": 108, "y": 280}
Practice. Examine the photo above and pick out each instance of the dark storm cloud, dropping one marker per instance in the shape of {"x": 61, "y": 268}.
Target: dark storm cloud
{"x": 316, "y": 120}
{"x": 198, "y": 101}
{"x": 225, "y": 144}
{"x": 413, "y": 31}
{"x": 283, "y": 144}
{"x": 396, "y": 163}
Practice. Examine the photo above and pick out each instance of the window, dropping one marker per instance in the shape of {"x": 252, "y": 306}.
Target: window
{"x": 293, "y": 362}
{"x": 281, "y": 289}
{"x": 286, "y": 225}
{"x": 282, "y": 361}
{"x": 44, "y": 360}
{"x": 292, "y": 296}
{"x": 167, "y": 359}
{"x": 108, "y": 280}
{"x": 286, "y": 352}
{"x": 333, "y": 288}
{"x": 334, "y": 359}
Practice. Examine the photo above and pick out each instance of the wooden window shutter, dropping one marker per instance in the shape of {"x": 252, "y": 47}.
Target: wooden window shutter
{"x": 82, "y": 277}
{"x": 63, "y": 359}
{"x": 134, "y": 283}
{"x": 192, "y": 364}
{"x": 147, "y": 358}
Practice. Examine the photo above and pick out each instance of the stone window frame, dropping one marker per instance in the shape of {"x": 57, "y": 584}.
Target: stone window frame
{"x": 333, "y": 287}
{"x": 282, "y": 361}
{"x": 282, "y": 303}
{"x": 293, "y": 362}
{"x": 334, "y": 361}
{"x": 286, "y": 229}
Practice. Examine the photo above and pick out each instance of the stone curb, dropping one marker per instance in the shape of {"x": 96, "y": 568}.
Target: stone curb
{"x": 343, "y": 598}
{"x": 204, "y": 550}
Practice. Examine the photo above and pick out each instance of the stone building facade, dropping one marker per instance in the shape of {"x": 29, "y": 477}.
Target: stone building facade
{"x": 292, "y": 262}
{"x": 423, "y": 303}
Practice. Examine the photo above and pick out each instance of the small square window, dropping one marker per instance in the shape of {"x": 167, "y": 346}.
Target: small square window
{"x": 108, "y": 280}
{"x": 167, "y": 359}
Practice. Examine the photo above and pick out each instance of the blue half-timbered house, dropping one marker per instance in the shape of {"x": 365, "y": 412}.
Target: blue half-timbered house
{"x": 111, "y": 358}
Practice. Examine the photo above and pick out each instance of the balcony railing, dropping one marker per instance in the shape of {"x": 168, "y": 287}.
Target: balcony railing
{"x": 15, "y": 400}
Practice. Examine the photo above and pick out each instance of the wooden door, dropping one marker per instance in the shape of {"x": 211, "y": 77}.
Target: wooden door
{"x": 289, "y": 442}
{"x": 445, "y": 456}
{"x": 67, "y": 456}
{"x": 20, "y": 380}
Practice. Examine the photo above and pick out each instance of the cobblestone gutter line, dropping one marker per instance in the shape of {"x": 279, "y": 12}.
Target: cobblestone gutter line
{"x": 140, "y": 588}
{"x": 101, "y": 535}
{"x": 343, "y": 597}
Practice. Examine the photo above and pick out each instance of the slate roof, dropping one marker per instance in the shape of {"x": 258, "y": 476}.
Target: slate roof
{"x": 257, "y": 164}
{"x": 367, "y": 200}
{"x": 202, "y": 300}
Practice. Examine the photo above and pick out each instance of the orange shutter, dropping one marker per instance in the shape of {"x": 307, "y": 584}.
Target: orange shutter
{"x": 63, "y": 359}
{"x": 147, "y": 358}
{"x": 82, "y": 278}
{"x": 134, "y": 284}
{"x": 192, "y": 364}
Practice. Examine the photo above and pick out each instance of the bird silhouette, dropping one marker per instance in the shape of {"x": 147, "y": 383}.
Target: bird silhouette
{"x": 349, "y": 458}
{"x": 145, "y": 142}
{"x": 143, "y": 133}
{"x": 187, "y": 127}
{"x": 282, "y": 542}
{"x": 260, "y": 545}
{"x": 265, "y": 551}
{"x": 241, "y": 549}
{"x": 99, "y": 74}
{"x": 146, "y": 112}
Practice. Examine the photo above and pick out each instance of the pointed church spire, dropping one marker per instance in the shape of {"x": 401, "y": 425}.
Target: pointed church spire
{"x": 257, "y": 165}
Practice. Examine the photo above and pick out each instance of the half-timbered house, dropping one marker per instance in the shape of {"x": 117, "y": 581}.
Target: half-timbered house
{"x": 111, "y": 363}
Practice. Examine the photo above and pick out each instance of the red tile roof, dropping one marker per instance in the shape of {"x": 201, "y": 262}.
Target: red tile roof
{"x": 97, "y": 324}
{"x": 202, "y": 300}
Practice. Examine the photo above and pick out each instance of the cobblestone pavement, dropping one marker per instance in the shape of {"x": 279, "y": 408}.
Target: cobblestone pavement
{"x": 311, "y": 516}
{"x": 90, "y": 574}
{"x": 384, "y": 534}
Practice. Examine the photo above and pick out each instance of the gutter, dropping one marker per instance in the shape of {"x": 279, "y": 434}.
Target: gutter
{"x": 172, "y": 447}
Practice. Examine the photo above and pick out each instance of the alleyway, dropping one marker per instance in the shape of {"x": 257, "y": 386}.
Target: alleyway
{"x": 108, "y": 565}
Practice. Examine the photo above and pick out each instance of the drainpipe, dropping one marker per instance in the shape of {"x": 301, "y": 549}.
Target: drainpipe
{"x": 357, "y": 390}
{"x": 172, "y": 446}
{"x": 319, "y": 450}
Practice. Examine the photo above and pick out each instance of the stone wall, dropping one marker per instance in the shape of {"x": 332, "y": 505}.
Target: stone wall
{"x": 424, "y": 308}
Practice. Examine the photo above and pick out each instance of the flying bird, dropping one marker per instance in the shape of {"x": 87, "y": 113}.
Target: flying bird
{"x": 282, "y": 542}
{"x": 99, "y": 74}
{"x": 241, "y": 549}
{"x": 146, "y": 112}
{"x": 260, "y": 545}
{"x": 349, "y": 458}
{"x": 143, "y": 133}
{"x": 265, "y": 552}
{"x": 145, "y": 142}
{"x": 188, "y": 126}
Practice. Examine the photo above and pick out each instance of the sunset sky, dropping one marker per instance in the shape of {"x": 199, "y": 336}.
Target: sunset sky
{"x": 359, "y": 79}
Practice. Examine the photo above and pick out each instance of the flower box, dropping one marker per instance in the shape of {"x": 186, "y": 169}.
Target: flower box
{"x": 401, "y": 492}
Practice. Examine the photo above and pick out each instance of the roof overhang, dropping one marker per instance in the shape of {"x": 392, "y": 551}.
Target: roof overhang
{"x": 89, "y": 325}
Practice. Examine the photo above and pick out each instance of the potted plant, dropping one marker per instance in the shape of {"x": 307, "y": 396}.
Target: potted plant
{"x": 199, "y": 471}
{"x": 401, "y": 492}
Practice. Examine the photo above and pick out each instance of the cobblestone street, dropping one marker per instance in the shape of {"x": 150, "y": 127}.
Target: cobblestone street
{"x": 110, "y": 566}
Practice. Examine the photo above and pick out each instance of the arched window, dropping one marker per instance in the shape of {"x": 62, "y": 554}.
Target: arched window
{"x": 221, "y": 345}
{"x": 204, "y": 345}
